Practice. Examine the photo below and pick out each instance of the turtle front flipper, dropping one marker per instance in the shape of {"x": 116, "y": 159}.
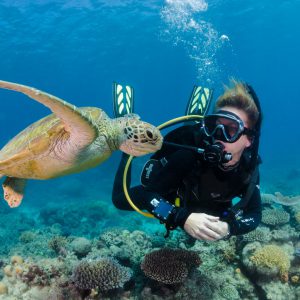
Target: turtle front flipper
{"x": 14, "y": 190}
{"x": 74, "y": 120}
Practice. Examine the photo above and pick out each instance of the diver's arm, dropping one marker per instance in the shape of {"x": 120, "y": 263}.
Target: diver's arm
{"x": 251, "y": 216}
{"x": 210, "y": 228}
{"x": 171, "y": 173}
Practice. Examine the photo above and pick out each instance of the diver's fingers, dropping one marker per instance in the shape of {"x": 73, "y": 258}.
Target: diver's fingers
{"x": 215, "y": 227}
{"x": 211, "y": 233}
{"x": 212, "y": 218}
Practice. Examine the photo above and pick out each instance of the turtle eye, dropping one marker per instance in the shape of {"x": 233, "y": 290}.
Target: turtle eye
{"x": 149, "y": 134}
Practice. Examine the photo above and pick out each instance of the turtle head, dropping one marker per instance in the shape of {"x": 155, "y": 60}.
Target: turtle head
{"x": 138, "y": 138}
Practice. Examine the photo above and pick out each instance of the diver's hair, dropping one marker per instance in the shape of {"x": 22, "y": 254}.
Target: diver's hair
{"x": 237, "y": 96}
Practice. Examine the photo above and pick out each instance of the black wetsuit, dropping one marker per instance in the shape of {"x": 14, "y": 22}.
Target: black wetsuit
{"x": 201, "y": 186}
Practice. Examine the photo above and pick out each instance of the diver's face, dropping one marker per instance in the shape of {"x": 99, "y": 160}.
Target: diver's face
{"x": 237, "y": 148}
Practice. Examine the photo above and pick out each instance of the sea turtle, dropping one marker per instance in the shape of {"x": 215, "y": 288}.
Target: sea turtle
{"x": 68, "y": 141}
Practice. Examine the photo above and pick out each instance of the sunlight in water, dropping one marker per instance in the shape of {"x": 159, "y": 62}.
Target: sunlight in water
{"x": 186, "y": 27}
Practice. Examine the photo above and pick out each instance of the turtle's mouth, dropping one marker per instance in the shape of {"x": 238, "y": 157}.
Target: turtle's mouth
{"x": 141, "y": 138}
{"x": 142, "y": 146}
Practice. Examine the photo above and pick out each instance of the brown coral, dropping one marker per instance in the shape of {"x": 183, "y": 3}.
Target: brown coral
{"x": 105, "y": 274}
{"x": 35, "y": 275}
{"x": 169, "y": 266}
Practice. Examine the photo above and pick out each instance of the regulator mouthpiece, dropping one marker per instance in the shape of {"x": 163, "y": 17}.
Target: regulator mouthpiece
{"x": 215, "y": 153}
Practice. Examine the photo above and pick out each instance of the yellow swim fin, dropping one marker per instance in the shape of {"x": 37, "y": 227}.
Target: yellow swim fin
{"x": 199, "y": 101}
{"x": 123, "y": 96}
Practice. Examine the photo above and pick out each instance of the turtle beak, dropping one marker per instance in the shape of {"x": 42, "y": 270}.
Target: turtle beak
{"x": 150, "y": 143}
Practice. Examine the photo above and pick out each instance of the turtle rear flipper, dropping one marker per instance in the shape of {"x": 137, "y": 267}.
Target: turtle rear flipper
{"x": 74, "y": 120}
{"x": 14, "y": 190}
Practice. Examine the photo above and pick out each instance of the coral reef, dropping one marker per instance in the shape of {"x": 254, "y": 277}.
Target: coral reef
{"x": 285, "y": 234}
{"x": 126, "y": 245}
{"x": 268, "y": 199}
{"x": 37, "y": 275}
{"x": 3, "y": 288}
{"x": 169, "y": 266}
{"x": 27, "y": 279}
{"x": 104, "y": 274}
{"x": 77, "y": 219}
{"x": 271, "y": 257}
{"x": 279, "y": 199}
{"x": 275, "y": 217}
{"x": 11, "y": 224}
{"x": 57, "y": 243}
{"x": 39, "y": 256}
{"x": 27, "y": 236}
{"x": 278, "y": 290}
{"x": 260, "y": 234}
{"x": 286, "y": 200}
{"x": 297, "y": 217}
{"x": 267, "y": 261}
{"x": 81, "y": 246}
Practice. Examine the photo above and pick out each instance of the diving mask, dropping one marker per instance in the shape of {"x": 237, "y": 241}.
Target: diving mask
{"x": 225, "y": 126}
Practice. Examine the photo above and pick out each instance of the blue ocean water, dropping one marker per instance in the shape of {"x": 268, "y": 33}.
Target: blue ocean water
{"x": 75, "y": 50}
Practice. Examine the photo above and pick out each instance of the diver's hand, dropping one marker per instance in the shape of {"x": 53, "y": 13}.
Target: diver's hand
{"x": 204, "y": 227}
{"x": 222, "y": 228}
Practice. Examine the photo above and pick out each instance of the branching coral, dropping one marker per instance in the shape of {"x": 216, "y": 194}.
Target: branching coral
{"x": 105, "y": 274}
{"x": 229, "y": 292}
{"x": 169, "y": 266}
{"x": 260, "y": 234}
{"x": 227, "y": 249}
{"x": 272, "y": 257}
{"x": 274, "y": 217}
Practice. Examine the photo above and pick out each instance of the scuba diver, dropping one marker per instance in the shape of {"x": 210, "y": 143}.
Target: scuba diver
{"x": 202, "y": 167}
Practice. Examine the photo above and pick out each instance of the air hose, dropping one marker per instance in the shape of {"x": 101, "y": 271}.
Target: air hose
{"x": 129, "y": 160}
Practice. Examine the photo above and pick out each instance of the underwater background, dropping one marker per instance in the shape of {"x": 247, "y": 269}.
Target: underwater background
{"x": 75, "y": 50}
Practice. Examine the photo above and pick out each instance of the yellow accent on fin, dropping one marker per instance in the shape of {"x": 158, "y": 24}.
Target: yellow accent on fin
{"x": 203, "y": 100}
{"x": 121, "y": 107}
{"x": 120, "y": 98}
{"x": 128, "y": 89}
{"x": 119, "y": 88}
{"x": 207, "y": 92}
{"x": 177, "y": 202}
{"x": 198, "y": 89}
{"x": 128, "y": 99}
{"x": 196, "y": 98}
{"x": 194, "y": 107}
